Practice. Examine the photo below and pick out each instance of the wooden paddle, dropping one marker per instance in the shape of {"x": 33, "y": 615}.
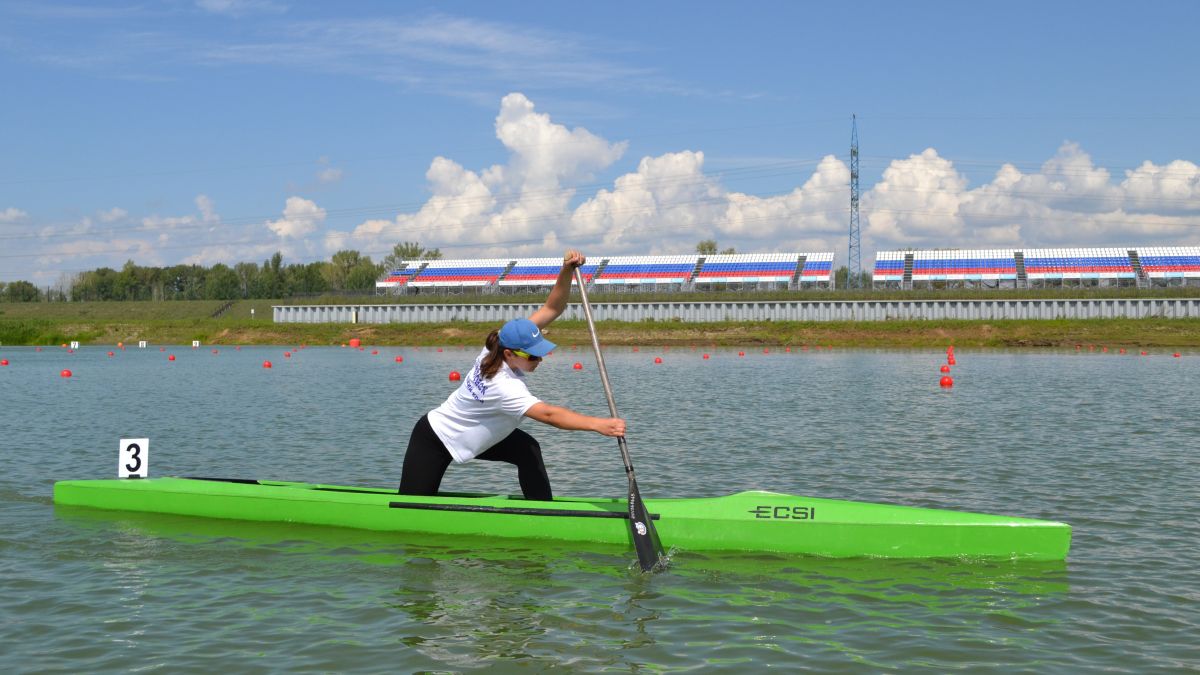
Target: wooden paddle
{"x": 645, "y": 538}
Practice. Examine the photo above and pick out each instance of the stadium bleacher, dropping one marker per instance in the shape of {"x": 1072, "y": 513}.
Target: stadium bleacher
{"x": 734, "y": 268}
{"x": 761, "y": 270}
{"x": 540, "y": 272}
{"x": 675, "y": 269}
{"x": 1171, "y": 262}
{"x": 1078, "y": 263}
{"x": 446, "y": 273}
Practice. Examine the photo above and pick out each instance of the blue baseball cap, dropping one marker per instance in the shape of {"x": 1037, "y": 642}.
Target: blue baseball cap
{"x": 524, "y": 335}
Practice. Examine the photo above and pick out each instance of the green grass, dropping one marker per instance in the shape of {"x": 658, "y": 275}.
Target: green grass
{"x": 179, "y": 322}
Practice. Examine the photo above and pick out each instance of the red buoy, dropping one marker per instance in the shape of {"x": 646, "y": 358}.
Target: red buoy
{"x": 1176, "y": 354}
{"x": 945, "y": 369}
{"x": 171, "y": 357}
{"x": 287, "y": 355}
{"x": 636, "y": 349}
{"x": 65, "y": 373}
{"x": 951, "y": 361}
{"x": 706, "y": 356}
{"x": 266, "y": 364}
{"x": 1143, "y": 353}
{"x": 741, "y": 353}
{"x": 766, "y": 350}
{"x": 578, "y": 366}
{"x": 658, "y": 359}
{"x": 399, "y": 359}
{"x": 947, "y": 381}
{"x": 374, "y": 352}
{"x": 1122, "y": 350}
{"x": 439, "y": 350}
{"x": 455, "y": 376}
{"x": 110, "y": 354}
{"x": 3, "y": 362}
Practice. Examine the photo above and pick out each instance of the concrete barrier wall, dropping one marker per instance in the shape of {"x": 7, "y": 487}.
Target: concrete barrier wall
{"x": 801, "y": 310}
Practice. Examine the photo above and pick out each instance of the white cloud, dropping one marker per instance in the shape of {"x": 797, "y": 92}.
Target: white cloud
{"x": 300, "y": 217}
{"x": 669, "y": 203}
{"x": 517, "y": 201}
{"x": 112, "y": 215}
{"x": 329, "y": 176}
{"x": 238, "y": 8}
{"x": 11, "y": 215}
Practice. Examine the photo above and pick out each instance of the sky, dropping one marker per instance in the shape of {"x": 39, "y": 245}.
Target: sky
{"x": 223, "y": 131}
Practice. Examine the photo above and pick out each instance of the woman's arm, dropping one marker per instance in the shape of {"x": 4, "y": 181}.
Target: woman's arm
{"x": 565, "y": 418}
{"x": 556, "y": 302}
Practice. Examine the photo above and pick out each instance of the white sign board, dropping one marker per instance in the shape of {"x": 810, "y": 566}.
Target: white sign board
{"x": 134, "y": 458}
{"x": 74, "y": 344}
{"x": 141, "y": 344}
{"x": 195, "y": 343}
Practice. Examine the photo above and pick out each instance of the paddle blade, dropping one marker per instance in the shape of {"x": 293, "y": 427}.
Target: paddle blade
{"x": 645, "y": 537}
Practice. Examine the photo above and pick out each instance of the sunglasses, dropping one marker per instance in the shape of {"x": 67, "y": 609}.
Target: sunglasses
{"x": 525, "y": 355}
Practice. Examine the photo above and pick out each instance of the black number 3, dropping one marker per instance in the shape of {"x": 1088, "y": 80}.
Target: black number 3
{"x": 136, "y": 457}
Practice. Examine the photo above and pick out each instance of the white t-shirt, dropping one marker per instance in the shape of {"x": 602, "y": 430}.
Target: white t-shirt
{"x": 481, "y": 413}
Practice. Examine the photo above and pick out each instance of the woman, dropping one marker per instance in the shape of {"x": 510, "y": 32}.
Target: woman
{"x": 479, "y": 420}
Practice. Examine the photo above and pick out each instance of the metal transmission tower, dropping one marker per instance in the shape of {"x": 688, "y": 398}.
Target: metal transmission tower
{"x": 854, "y": 261}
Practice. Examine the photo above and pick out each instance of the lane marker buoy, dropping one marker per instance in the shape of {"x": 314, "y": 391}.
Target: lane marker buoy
{"x": 455, "y": 376}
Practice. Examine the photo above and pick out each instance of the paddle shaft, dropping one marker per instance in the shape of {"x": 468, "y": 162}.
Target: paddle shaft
{"x": 645, "y": 537}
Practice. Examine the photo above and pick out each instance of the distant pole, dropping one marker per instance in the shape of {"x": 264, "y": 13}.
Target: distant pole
{"x": 854, "y": 260}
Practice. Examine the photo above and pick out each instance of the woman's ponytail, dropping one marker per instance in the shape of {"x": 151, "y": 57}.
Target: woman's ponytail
{"x": 495, "y": 356}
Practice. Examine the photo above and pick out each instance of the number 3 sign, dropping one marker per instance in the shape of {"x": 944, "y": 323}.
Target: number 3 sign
{"x": 134, "y": 458}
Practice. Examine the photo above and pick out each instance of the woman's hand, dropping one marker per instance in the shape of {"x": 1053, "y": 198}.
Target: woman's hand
{"x": 573, "y": 259}
{"x": 610, "y": 426}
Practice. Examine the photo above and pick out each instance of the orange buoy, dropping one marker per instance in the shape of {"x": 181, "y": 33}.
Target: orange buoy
{"x": 578, "y": 366}
{"x": 455, "y": 376}
{"x": 658, "y": 359}
{"x": 399, "y": 359}
{"x": 266, "y": 364}
{"x": 120, "y": 345}
{"x": 946, "y": 381}
{"x": 65, "y": 373}
{"x": 945, "y": 369}
{"x": 355, "y": 342}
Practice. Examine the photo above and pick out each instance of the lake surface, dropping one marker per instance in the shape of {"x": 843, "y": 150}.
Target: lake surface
{"x": 1104, "y": 441}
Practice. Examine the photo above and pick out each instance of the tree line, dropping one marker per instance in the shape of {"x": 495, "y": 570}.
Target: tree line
{"x": 346, "y": 271}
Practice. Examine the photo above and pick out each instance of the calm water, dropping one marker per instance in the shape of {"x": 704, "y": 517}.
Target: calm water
{"x": 1106, "y": 442}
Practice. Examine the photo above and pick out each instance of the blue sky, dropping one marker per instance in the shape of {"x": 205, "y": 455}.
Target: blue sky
{"x": 225, "y": 130}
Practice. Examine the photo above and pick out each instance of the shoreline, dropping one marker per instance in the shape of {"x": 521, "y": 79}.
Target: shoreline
{"x": 978, "y": 334}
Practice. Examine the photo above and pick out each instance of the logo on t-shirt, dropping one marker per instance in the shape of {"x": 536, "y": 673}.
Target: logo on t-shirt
{"x": 476, "y": 387}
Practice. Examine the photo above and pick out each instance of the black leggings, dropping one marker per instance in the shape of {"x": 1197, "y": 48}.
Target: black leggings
{"x": 426, "y": 460}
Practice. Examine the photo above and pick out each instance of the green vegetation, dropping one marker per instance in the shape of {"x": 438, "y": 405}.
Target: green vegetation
{"x": 183, "y": 321}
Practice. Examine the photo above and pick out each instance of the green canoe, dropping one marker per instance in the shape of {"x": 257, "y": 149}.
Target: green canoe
{"x": 746, "y": 521}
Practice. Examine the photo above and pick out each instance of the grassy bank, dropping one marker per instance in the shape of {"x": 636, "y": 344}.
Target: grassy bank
{"x": 182, "y": 322}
